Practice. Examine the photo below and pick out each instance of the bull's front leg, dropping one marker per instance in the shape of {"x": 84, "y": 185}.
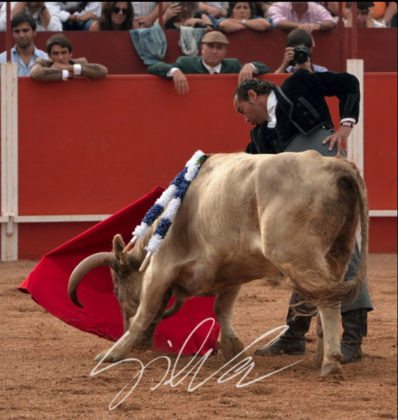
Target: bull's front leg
{"x": 223, "y": 308}
{"x": 151, "y": 304}
{"x": 145, "y": 340}
{"x": 330, "y": 318}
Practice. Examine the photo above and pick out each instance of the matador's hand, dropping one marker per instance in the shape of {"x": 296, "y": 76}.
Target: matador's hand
{"x": 340, "y": 137}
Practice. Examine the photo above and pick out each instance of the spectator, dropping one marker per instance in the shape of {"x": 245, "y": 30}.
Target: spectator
{"x": 214, "y": 49}
{"x": 299, "y": 45}
{"x": 214, "y": 9}
{"x": 333, "y": 8}
{"x": 390, "y": 14}
{"x": 61, "y": 66}
{"x": 185, "y": 13}
{"x": 145, "y": 13}
{"x": 364, "y": 16}
{"x": 116, "y": 16}
{"x": 45, "y": 14}
{"x": 262, "y": 7}
{"x": 78, "y": 15}
{"x": 241, "y": 16}
{"x": 24, "y": 52}
{"x": 306, "y": 15}
{"x": 384, "y": 11}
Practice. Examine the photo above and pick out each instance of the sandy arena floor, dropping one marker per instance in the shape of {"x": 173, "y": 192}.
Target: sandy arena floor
{"x": 45, "y": 365}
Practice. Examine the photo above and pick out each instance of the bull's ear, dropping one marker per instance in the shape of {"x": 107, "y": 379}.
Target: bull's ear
{"x": 124, "y": 259}
{"x": 118, "y": 246}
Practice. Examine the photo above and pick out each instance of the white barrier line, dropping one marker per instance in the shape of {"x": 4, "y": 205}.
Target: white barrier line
{"x": 101, "y": 217}
{"x": 61, "y": 218}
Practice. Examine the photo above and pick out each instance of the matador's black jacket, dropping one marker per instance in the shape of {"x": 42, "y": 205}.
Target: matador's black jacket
{"x": 302, "y": 108}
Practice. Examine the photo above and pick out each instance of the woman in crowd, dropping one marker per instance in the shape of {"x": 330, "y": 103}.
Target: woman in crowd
{"x": 241, "y": 16}
{"x": 116, "y": 16}
{"x": 185, "y": 14}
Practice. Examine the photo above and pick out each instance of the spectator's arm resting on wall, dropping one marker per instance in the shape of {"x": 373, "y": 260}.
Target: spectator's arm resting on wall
{"x": 47, "y": 71}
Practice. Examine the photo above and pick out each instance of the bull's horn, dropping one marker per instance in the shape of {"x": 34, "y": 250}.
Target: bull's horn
{"x": 89, "y": 263}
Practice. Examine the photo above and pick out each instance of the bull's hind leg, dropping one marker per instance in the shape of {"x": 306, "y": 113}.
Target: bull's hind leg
{"x": 311, "y": 279}
{"x": 223, "y": 308}
{"x": 330, "y": 318}
{"x": 318, "y": 356}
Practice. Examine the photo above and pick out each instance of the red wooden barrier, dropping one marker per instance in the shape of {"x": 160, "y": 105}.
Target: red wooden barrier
{"x": 93, "y": 147}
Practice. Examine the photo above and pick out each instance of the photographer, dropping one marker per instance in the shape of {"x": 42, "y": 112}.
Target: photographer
{"x": 298, "y": 53}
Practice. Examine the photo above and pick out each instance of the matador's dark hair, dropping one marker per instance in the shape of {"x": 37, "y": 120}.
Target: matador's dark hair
{"x": 261, "y": 87}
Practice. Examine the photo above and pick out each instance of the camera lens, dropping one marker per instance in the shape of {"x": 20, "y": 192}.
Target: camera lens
{"x": 301, "y": 54}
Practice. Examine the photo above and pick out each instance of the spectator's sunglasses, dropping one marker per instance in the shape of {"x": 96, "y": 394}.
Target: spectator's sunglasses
{"x": 116, "y": 9}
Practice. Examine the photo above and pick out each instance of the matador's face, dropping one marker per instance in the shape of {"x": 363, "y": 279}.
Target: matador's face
{"x": 254, "y": 109}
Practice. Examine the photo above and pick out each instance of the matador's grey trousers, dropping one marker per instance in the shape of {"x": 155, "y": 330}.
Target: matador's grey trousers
{"x": 313, "y": 141}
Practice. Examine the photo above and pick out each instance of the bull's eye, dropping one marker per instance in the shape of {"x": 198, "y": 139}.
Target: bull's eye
{"x": 116, "y": 290}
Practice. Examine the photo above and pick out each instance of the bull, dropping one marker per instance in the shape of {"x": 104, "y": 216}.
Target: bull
{"x": 289, "y": 216}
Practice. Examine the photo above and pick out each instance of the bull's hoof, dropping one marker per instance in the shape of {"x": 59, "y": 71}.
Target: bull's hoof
{"x": 101, "y": 355}
{"x": 331, "y": 368}
{"x": 143, "y": 342}
{"x": 336, "y": 355}
{"x": 110, "y": 358}
{"x": 317, "y": 360}
{"x": 230, "y": 347}
{"x": 144, "y": 345}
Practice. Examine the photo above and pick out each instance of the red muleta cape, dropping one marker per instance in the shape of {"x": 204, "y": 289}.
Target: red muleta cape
{"x": 48, "y": 283}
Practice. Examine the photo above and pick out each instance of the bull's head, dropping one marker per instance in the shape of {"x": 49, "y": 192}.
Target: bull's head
{"x": 127, "y": 279}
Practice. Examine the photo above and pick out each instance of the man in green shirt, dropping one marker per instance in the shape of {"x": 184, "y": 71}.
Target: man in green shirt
{"x": 214, "y": 47}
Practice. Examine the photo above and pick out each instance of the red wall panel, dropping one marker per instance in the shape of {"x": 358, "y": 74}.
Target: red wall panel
{"x": 92, "y": 147}
{"x": 383, "y": 235}
{"x": 380, "y": 138}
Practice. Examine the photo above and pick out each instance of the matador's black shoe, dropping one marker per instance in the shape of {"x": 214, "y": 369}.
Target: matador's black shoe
{"x": 354, "y": 328}
{"x": 292, "y": 341}
{"x": 284, "y": 345}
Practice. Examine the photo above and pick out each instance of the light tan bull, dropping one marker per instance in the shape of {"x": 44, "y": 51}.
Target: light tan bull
{"x": 247, "y": 217}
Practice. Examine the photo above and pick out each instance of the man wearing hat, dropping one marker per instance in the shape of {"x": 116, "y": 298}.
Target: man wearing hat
{"x": 214, "y": 47}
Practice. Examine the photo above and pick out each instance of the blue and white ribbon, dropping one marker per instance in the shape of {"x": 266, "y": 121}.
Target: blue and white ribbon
{"x": 167, "y": 205}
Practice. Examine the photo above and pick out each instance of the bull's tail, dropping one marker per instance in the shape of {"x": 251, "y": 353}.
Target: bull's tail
{"x": 358, "y": 186}
{"x": 316, "y": 286}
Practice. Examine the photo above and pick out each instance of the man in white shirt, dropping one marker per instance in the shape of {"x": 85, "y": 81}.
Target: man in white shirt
{"x": 24, "y": 53}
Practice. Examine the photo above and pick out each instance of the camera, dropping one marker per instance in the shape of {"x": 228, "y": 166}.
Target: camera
{"x": 301, "y": 54}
